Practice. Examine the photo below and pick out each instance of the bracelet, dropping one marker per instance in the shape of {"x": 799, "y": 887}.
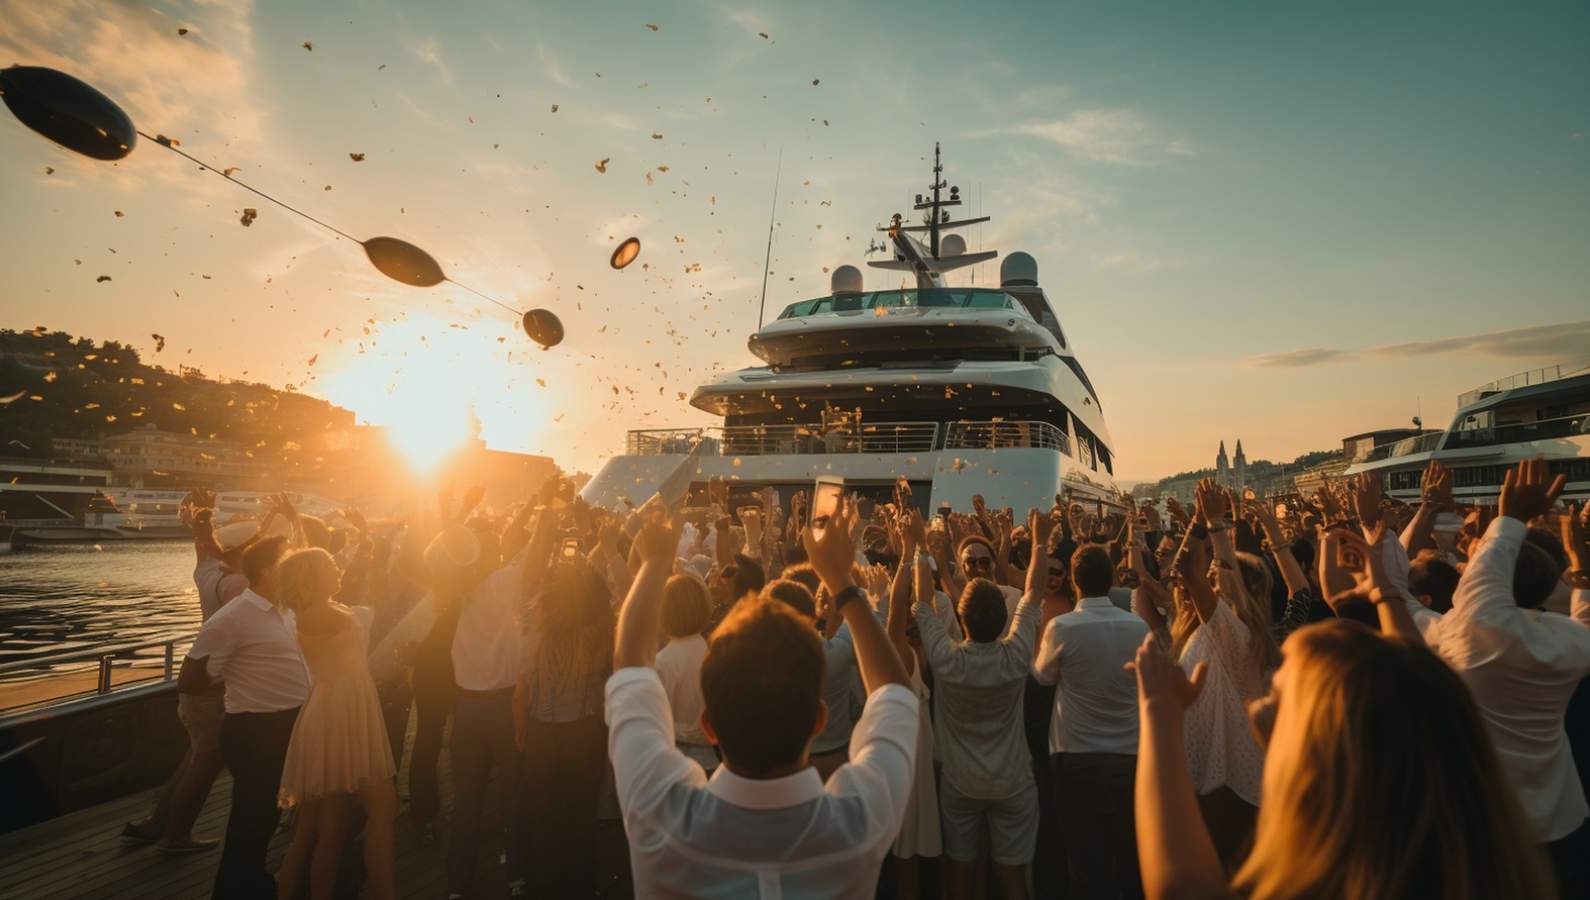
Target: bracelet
{"x": 847, "y": 595}
{"x": 1200, "y": 531}
{"x": 1217, "y": 528}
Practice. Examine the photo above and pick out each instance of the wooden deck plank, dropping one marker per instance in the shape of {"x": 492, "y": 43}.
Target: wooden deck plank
{"x": 81, "y": 855}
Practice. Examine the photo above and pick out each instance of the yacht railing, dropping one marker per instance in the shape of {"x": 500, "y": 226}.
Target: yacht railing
{"x": 879, "y": 437}
{"x": 1523, "y": 379}
{"x": 766, "y": 440}
{"x": 30, "y": 683}
{"x": 1001, "y": 435}
{"x": 1545, "y": 429}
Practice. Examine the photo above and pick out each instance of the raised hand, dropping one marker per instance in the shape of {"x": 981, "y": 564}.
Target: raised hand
{"x": 1528, "y": 490}
{"x": 1162, "y": 686}
{"x": 833, "y": 552}
{"x": 1039, "y": 526}
{"x": 1211, "y": 502}
{"x": 913, "y": 532}
{"x": 1177, "y": 511}
{"x": 658, "y": 541}
{"x": 1365, "y": 495}
{"x": 1435, "y": 486}
{"x": 1575, "y": 526}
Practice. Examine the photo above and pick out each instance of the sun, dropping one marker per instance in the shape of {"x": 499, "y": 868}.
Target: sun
{"x": 433, "y": 387}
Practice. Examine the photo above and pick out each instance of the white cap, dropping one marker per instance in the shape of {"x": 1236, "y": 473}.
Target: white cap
{"x": 230, "y": 537}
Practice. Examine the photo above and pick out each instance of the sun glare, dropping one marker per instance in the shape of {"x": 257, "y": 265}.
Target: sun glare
{"x": 431, "y": 386}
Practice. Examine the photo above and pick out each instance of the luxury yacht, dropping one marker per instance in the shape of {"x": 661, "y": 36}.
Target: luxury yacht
{"x": 1542, "y": 412}
{"x": 962, "y": 390}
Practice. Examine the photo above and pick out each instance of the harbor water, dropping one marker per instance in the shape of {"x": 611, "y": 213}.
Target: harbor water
{"x": 65, "y": 597}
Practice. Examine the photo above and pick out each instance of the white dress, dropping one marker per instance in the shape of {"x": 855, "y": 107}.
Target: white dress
{"x": 1221, "y": 748}
{"x": 919, "y": 832}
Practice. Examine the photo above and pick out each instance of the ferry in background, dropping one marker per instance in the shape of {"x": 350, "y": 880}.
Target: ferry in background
{"x": 1542, "y": 412}
{"x": 961, "y": 390}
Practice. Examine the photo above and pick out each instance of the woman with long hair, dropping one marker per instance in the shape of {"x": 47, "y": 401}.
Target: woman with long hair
{"x": 568, "y": 653}
{"x": 338, "y": 754}
{"x": 1380, "y": 781}
{"x": 1224, "y": 624}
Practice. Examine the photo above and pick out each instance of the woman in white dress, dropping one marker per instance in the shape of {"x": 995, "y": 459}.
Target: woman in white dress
{"x": 1225, "y": 622}
{"x": 339, "y": 752}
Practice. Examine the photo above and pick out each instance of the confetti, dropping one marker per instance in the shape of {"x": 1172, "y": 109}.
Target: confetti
{"x": 356, "y": 157}
{"x": 308, "y": 46}
{"x": 182, "y": 32}
{"x": 625, "y": 253}
{"x": 763, "y": 35}
{"x": 814, "y": 81}
{"x": 103, "y": 278}
{"x": 554, "y": 107}
{"x": 228, "y": 171}
{"x": 12, "y": 398}
{"x": 651, "y": 26}
{"x": 249, "y": 214}
{"x": 601, "y": 164}
{"x": 656, "y": 135}
{"x": 119, "y": 214}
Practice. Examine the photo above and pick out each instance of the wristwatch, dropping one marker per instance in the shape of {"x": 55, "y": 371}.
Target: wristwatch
{"x": 847, "y": 595}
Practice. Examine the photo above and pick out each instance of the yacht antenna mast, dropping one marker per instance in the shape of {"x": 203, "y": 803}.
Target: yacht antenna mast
{"x": 767, "y": 258}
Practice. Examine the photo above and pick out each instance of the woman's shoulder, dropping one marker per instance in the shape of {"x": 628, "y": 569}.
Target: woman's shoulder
{"x": 331, "y": 619}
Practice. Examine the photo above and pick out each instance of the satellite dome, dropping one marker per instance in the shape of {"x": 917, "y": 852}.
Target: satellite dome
{"x": 951, "y": 245}
{"x": 1018, "y": 269}
{"x": 845, "y": 280}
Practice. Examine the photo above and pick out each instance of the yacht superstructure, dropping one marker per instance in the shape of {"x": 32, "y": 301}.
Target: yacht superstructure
{"x": 1542, "y": 412}
{"x": 961, "y": 390}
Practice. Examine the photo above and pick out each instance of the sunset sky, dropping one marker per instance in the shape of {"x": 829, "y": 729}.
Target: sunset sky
{"x": 1274, "y": 223}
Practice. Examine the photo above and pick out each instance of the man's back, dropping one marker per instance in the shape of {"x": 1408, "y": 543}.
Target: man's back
{"x": 1085, "y": 652}
{"x": 730, "y": 836}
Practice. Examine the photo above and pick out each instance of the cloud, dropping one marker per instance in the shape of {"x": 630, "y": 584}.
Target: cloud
{"x": 1567, "y": 341}
{"x": 552, "y": 68}
{"x": 429, "y": 52}
{"x": 1117, "y": 137}
{"x": 1293, "y": 359}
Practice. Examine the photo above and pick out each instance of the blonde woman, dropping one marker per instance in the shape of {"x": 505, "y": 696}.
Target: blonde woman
{"x": 1225, "y": 626}
{"x": 339, "y": 752}
{"x": 1379, "y": 782}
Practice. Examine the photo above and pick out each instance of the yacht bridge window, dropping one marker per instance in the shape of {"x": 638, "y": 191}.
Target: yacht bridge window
{"x": 924, "y": 298}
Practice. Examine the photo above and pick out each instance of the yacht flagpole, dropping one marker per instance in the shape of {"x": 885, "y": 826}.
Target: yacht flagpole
{"x": 767, "y": 259}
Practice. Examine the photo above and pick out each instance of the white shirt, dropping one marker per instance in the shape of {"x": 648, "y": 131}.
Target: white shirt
{"x": 253, "y": 646}
{"x": 679, "y": 668}
{"x": 217, "y": 584}
{"x": 977, "y": 689}
{"x": 774, "y": 839}
{"x": 489, "y": 640}
{"x": 1221, "y": 748}
{"x": 1085, "y": 652}
{"x": 1522, "y": 666}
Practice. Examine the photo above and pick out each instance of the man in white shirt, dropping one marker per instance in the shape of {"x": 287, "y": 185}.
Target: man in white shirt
{"x": 1523, "y": 663}
{"x": 1093, "y": 733}
{"x": 486, "y": 657}
{"x": 988, "y": 784}
{"x": 252, "y": 645}
{"x": 764, "y": 825}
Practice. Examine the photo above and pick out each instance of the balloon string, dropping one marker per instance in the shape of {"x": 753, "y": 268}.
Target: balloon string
{"x": 486, "y": 297}
{"x": 166, "y": 143}
{"x": 294, "y": 210}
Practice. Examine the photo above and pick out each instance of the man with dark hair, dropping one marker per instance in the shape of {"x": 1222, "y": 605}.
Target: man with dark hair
{"x": 764, "y": 825}
{"x": 1522, "y": 664}
{"x": 1093, "y": 733}
{"x": 793, "y": 594}
{"x": 988, "y": 783}
{"x": 1432, "y": 581}
{"x": 251, "y": 644}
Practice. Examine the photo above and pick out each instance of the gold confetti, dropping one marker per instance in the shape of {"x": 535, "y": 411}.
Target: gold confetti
{"x": 601, "y": 164}
{"x": 356, "y": 157}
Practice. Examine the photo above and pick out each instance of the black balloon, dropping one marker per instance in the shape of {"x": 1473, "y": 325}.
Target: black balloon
{"x": 543, "y": 327}
{"x": 402, "y": 261}
{"x": 68, "y": 111}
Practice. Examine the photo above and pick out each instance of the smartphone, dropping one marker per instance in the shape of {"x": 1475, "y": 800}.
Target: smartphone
{"x": 944, "y": 510}
{"x": 571, "y": 548}
{"x": 825, "y": 501}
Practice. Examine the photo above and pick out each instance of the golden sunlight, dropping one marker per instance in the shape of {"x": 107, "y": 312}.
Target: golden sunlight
{"x": 435, "y": 386}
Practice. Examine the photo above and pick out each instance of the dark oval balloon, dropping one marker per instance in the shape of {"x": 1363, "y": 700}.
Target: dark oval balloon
{"x": 68, "y": 111}
{"x": 543, "y": 327}
{"x": 402, "y": 261}
{"x": 626, "y": 253}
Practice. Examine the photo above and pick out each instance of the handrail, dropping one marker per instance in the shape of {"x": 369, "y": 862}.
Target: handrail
{"x": 95, "y": 653}
{"x": 967, "y": 435}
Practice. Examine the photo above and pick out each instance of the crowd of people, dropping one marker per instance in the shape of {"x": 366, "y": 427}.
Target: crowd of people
{"x": 1334, "y": 696}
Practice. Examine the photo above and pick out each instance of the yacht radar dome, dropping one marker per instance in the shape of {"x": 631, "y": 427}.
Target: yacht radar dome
{"x": 951, "y": 245}
{"x": 1018, "y": 269}
{"x": 845, "y": 280}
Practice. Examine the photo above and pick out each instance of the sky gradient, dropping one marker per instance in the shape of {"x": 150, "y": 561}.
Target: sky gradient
{"x": 1279, "y": 225}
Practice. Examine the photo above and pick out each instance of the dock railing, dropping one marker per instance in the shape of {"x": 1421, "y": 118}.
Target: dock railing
{"x": 28, "y": 685}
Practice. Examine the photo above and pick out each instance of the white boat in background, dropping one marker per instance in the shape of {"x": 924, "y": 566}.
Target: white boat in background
{"x": 1542, "y": 412}
{"x": 961, "y": 390}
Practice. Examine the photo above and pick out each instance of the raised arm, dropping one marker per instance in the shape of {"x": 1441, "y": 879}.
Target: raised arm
{"x": 904, "y": 585}
{"x": 1280, "y": 548}
{"x": 641, "y": 616}
{"x": 1177, "y": 856}
{"x": 832, "y": 554}
{"x": 1527, "y": 491}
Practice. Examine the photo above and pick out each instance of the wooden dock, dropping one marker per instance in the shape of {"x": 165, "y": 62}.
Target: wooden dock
{"x": 81, "y": 855}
